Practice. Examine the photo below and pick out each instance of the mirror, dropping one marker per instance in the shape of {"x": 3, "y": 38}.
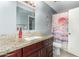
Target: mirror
{"x": 25, "y": 19}
{"x": 31, "y": 23}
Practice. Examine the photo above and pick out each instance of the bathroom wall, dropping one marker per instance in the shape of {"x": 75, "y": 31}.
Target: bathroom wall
{"x": 25, "y": 7}
{"x": 22, "y": 17}
{"x": 43, "y": 17}
{"x": 7, "y": 17}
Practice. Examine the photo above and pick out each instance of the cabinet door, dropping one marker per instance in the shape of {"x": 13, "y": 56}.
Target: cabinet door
{"x": 12, "y": 55}
{"x": 29, "y": 50}
{"x": 32, "y": 49}
{"x": 35, "y": 54}
{"x": 50, "y": 50}
{"x": 17, "y": 53}
{"x": 42, "y": 52}
{"x": 73, "y": 38}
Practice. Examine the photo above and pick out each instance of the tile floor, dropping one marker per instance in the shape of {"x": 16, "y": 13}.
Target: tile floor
{"x": 65, "y": 54}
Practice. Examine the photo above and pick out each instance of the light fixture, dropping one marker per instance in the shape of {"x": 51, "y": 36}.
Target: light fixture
{"x": 31, "y": 3}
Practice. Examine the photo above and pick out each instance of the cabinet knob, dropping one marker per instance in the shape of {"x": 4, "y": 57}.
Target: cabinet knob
{"x": 69, "y": 33}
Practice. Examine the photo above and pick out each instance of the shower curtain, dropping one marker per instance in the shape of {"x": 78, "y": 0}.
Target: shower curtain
{"x": 60, "y": 27}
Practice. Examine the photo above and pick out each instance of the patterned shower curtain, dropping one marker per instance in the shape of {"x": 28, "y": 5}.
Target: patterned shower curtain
{"x": 60, "y": 26}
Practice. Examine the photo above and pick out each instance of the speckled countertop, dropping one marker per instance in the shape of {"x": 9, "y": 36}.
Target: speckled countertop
{"x": 9, "y": 45}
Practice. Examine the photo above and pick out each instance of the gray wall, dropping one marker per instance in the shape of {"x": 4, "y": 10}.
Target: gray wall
{"x": 22, "y": 16}
{"x": 43, "y": 18}
{"x": 7, "y": 17}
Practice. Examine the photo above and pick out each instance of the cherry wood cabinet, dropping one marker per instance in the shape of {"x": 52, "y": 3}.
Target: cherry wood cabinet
{"x": 40, "y": 49}
{"x": 16, "y": 53}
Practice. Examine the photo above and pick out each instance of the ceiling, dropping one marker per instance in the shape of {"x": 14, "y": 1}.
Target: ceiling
{"x": 62, "y": 6}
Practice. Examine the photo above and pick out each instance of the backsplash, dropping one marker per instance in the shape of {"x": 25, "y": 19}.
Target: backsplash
{"x": 7, "y": 36}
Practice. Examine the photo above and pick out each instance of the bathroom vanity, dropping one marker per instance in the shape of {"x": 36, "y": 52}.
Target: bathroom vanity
{"x": 34, "y": 48}
{"x": 22, "y": 16}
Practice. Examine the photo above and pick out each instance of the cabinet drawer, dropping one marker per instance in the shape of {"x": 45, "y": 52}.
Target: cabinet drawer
{"x": 29, "y": 49}
{"x": 39, "y": 45}
{"x": 45, "y": 43}
{"x": 16, "y": 53}
{"x": 11, "y": 55}
{"x": 35, "y": 54}
{"x": 50, "y": 41}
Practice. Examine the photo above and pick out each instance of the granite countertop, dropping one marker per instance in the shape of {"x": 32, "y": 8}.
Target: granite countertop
{"x": 9, "y": 45}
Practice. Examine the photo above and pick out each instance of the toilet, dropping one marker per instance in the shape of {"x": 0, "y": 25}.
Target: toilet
{"x": 57, "y": 45}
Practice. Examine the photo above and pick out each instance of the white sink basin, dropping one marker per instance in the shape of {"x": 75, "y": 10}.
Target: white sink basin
{"x": 32, "y": 38}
